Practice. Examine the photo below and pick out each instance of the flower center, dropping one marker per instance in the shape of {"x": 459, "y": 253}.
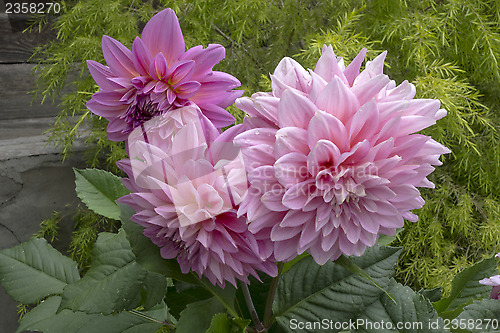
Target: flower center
{"x": 339, "y": 186}
{"x": 142, "y": 110}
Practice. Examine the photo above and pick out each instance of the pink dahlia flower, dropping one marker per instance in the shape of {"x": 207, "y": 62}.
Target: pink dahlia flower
{"x": 157, "y": 76}
{"x": 186, "y": 181}
{"x": 493, "y": 281}
{"x": 332, "y": 156}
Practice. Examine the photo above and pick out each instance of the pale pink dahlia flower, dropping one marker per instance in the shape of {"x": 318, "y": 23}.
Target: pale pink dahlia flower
{"x": 493, "y": 281}
{"x": 157, "y": 76}
{"x": 186, "y": 181}
{"x": 332, "y": 158}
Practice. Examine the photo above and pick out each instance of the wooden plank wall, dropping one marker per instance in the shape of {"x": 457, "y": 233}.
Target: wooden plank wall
{"x": 16, "y": 78}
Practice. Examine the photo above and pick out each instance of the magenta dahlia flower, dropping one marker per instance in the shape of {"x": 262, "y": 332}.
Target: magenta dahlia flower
{"x": 157, "y": 76}
{"x": 186, "y": 181}
{"x": 332, "y": 156}
{"x": 494, "y": 282}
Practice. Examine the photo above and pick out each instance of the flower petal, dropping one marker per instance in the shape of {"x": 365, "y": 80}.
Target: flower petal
{"x": 141, "y": 56}
{"x": 163, "y": 34}
{"x": 295, "y": 110}
{"x": 325, "y": 126}
{"x": 327, "y": 66}
{"x": 187, "y": 89}
{"x": 158, "y": 67}
{"x": 118, "y": 57}
{"x": 338, "y": 100}
{"x": 352, "y": 70}
{"x": 204, "y": 59}
{"x": 101, "y": 74}
{"x": 181, "y": 71}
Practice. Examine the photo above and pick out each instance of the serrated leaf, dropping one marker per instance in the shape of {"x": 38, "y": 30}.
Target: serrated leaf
{"x": 484, "y": 316}
{"x": 222, "y": 324}
{"x": 99, "y": 189}
{"x": 148, "y": 254}
{"x": 310, "y": 292}
{"x": 44, "y": 318}
{"x": 113, "y": 281}
{"x": 198, "y": 316}
{"x": 465, "y": 288}
{"x": 413, "y": 313}
{"x": 34, "y": 270}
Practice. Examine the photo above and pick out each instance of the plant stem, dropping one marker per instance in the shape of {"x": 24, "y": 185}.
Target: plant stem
{"x": 251, "y": 308}
{"x": 268, "y": 314}
{"x": 144, "y": 316}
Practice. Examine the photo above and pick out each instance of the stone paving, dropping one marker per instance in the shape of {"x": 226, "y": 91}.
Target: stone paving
{"x": 33, "y": 184}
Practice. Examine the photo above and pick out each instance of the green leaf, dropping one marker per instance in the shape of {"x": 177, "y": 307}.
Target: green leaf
{"x": 99, "y": 190}
{"x": 178, "y": 300}
{"x": 154, "y": 289}
{"x": 44, "y": 318}
{"x": 113, "y": 281}
{"x": 222, "y": 324}
{"x": 148, "y": 254}
{"x": 196, "y": 318}
{"x": 481, "y": 316}
{"x": 413, "y": 312}
{"x": 295, "y": 260}
{"x": 225, "y": 296}
{"x": 350, "y": 265}
{"x": 465, "y": 288}
{"x": 34, "y": 270}
{"x": 384, "y": 240}
{"x": 310, "y": 292}
{"x": 432, "y": 295}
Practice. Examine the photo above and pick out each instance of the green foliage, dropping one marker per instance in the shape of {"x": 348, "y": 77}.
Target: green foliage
{"x": 484, "y": 314}
{"x": 222, "y": 324}
{"x": 86, "y": 229}
{"x": 99, "y": 190}
{"x": 49, "y": 227}
{"x": 337, "y": 293}
{"x": 203, "y": 311}
{"x": 113, "y": 282}
{"x": 118, "y": 295}
{"x": 46, "y": 318}
{"x": 410, "y": 308}
{"x": 35, "y": 263}
{"x": 466, "y": 288}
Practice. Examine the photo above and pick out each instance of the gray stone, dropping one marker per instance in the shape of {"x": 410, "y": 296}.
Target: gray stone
{"x": 8, "y": 189}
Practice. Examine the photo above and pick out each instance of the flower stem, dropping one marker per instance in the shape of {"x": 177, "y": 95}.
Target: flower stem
{"x": 268, "y": 314}
{"x": 251, "y": 308}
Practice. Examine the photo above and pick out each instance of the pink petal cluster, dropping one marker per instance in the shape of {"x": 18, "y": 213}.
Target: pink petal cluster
{"x": 332, "y": 156}
{"x": 493, "y": 281}
{"x": 157, "y": 76}
{"x": 186, "y": 181}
